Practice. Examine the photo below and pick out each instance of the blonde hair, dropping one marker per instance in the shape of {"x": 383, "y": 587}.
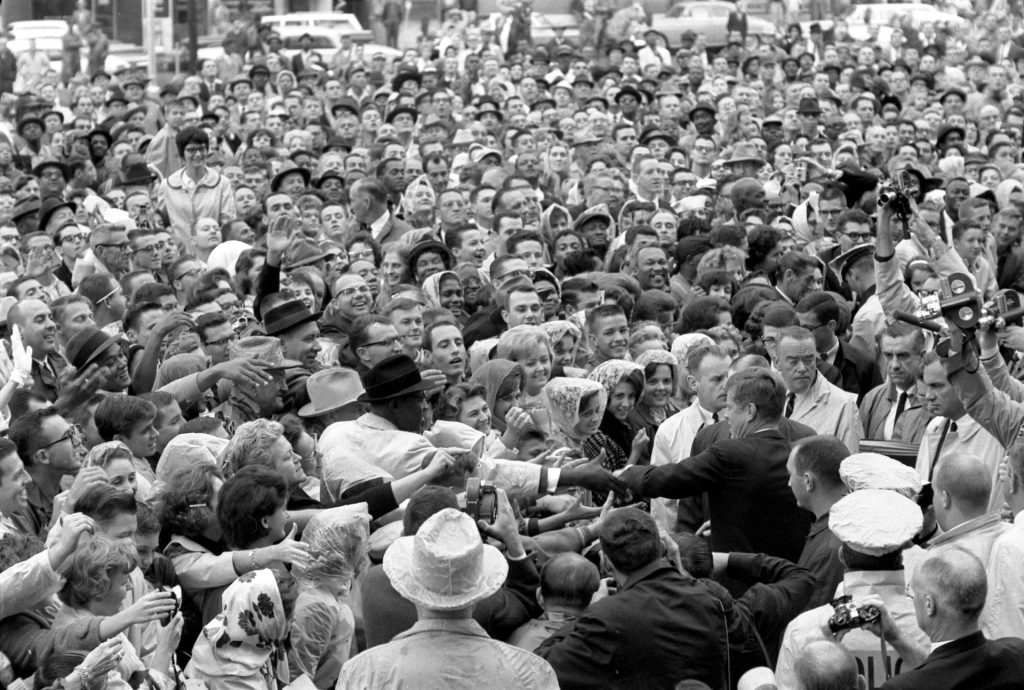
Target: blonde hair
{"x": 516, "y": 343}
{"x": 89, "y": 570}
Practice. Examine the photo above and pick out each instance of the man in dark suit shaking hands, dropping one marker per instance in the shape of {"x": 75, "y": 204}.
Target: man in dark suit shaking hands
{"x": 949, "y": 591}
{"x": 745, "y": 477}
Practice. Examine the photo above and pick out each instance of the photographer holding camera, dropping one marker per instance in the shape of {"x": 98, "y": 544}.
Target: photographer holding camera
{"x": 873, "y": 526}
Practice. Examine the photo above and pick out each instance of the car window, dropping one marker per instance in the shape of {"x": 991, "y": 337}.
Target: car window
{"x": 319, "y": 43}
{"x": 718, "y": 11}
{"x": 700, "y": 12}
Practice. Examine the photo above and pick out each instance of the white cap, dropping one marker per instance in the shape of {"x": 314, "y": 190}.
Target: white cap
{"x": 877, "y": 471}
{"x": 875, "y": 521}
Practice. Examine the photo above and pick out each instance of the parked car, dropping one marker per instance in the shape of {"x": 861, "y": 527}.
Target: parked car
{"x": 326, "y": 42}
{"x": 48, "y": 36}
{"x": 863, "y": 20}
{"x": 341, "y": 22}
{"x": 707, "y": 17}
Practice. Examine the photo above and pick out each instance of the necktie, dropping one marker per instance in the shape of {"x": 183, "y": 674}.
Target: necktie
{"x": 363, "y": 227}
{"x": 714, "y": 418}
{"x": 900, "y": 406}
{"x": 790, "y": 402}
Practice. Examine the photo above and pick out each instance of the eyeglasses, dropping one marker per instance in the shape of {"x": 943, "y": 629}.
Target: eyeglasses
{"x": 348, "y": 292}
{"x": 120, "y": 246}
{"x": 191, "y": 273}
{"x": 71, "y": 237}
{"x": 73, "y": 434}
{"x": 223, "y": 342}
{"x": 859, "y": 236}
{"x": 107, "y": 296}
{"x": 829, "y": 211}
{"x": 388, "y": 342}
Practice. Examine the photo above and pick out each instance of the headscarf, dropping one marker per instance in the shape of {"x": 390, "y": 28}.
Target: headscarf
{"x": 337, "y": 538}
{"x": 491, "y": 375}
{"x": 803, "y": 234}
{"x": 226, "y": 254}
{"x": 682, "y": 345}
{"x": 558, "y": 329}
{"x": 277, "y": 79}
{"x": 1003, "y": 191}
{"x": 659, "y": 357}
{"x": 100, "y": 455}
{"x": 545, "y": 223}
{"x": 610, "y": 374}
{"x": 408, "y": 203}
{"x": 562, "y": 398}
{"x": 247, "y": 637}
{"x": 432, "y": 286}
{"x": 188, "y": 450}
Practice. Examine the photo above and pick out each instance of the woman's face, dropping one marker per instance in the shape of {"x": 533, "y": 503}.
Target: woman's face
{"x": 423, "y": 200}
{"x": 659, "y": 387}
{"x": 590, "y": 417}
{"x": 393, "y": 268}
{"x": 503, "y": 404}
{"x": 304, "y": 293}
{"x": 564, "y": 350}
{"x": 121, "y": 474}
{"x": 450, "y": 291}
{"x": 110, "y": 603}
{"x": 427, "y": 264}
{"x": 990, "y": 178}
{"x": 476, "y": 414}
{"x": 558, "y": 158}
{"x": 536, "y": 365}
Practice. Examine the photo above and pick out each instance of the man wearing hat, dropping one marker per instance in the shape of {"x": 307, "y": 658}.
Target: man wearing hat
{"x": 389, "y": 436}
{"x": 445, "y": 569}
{"x": 250, "y": 401}
{"x": 53, "y": 177}
{"x": 873, "y": 526}
{"x": 33, "y": 151}
{"x": 295, "y": 326}
{"x": 91, "y": 345}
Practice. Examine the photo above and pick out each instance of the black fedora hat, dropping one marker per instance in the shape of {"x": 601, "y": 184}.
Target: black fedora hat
{"x": 65, "y": 171}
{"x": 138, "y": 174}
{"x": 402, "y": 109}
{"x": 87, "y": 346}
{"x": 275, "y": 183}
{"x": 286, "y": 316}
{"x": 394, "y": 377}
{"x": 49, "y": 206}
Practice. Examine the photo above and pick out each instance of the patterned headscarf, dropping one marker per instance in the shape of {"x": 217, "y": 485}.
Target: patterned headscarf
{"x": 248, "y": 636}
{"x": 558, "y": 329}
{"x": 562, "y": 398}
{"x": 337, "y": 539}
{"x": 659, "y": 357}
{"x": 611, "y": 372}
{"x": 409, "y": 200}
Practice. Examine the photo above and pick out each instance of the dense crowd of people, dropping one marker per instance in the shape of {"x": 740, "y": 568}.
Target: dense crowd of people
{"x": 518, "y": 364}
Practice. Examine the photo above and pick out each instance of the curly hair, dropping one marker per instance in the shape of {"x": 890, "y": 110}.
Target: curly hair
{"x": 719, "y": 258}
{"x": 187, "y": 489}
{"x": 448, "y": 405}
{"x": 760, "y": 243}
{"x": 518, "y": 342}
{"x": 251, "y": 445}
{"x": 88, "y": 572}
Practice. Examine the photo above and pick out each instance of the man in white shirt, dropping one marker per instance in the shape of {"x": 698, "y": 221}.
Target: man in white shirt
{"x": 708, "y": 372}
{"x": 810, "y": 398}
{"x": 1003, "y": 615}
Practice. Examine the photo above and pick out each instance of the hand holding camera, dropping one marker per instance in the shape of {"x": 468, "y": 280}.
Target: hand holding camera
{"x": 494, "y": 516}
{"x": 847, "y": 615}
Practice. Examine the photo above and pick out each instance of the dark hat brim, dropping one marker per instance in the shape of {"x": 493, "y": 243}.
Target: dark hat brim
{"x": 82, "y": 365}
{"x": 290, "y": 321}
{"x": 420, "y": 387}
{"x": 275, "y": 184}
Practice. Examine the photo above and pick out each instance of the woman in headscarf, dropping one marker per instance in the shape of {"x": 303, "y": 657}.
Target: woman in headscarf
{"x": 243, "y": 648}
{"x": 576, "y": 407}
{"x": 285, "y": 81}
{"x": 661, "y": 372}
{"x": 225, "y": 255}
{"x": 503, "y": 387}
{"x": 444, "y": 289}
{"x": 1008, "y": 192}
{"x": 472, "y": 280}
{"x": 321, "y": 635}
{"x": 565, "y": 341}
{"x": 805, "y": 223}
{"x": 621, "y": 443}
{"x": 554, "y": 220}
{"x": 419, "y": 202}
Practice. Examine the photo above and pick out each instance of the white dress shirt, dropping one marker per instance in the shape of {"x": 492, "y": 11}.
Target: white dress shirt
{"x": 673, "y": 442}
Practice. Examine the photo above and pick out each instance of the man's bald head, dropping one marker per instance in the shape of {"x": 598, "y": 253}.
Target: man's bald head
{"x": 569, "y": 579}
{"x": 954, "y": 585}
{"x": 826, "y": 665}
{"x": 967, "y": 480}
{"x": 745, "y": 362}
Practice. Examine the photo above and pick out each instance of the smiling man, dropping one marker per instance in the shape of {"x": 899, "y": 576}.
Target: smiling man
{"x": 39, "y": 331}
{"x": 609, "y": 333}
{"x": 650, "y": 266}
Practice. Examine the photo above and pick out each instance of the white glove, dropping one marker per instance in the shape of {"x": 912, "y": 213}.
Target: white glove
{"x": 22, "y": 357}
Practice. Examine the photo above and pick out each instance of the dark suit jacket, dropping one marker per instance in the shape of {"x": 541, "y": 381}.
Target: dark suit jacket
{"x": 858, "y": 370}
{"x": 752, "y": 507}
{"x": 1010, "y": 269}
{"x": 970, "y": 663}
{"x": 679, "y": 635}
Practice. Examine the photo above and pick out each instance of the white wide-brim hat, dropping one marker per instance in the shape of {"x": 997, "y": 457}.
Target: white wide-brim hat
{"x": 446, "y": 566}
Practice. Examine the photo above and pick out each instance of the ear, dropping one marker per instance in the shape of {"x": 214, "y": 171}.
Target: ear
{"x": 122, "y": 438}
{"x": 929, "y": 605}
{"x": 265, "y": 522}
{"x": 691, "y": 381}
{"x": 809, "y": 482}
{"x": 41, "y": 457}
{"x": 540, "y": 598}
{"x": 504, "y": 316}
